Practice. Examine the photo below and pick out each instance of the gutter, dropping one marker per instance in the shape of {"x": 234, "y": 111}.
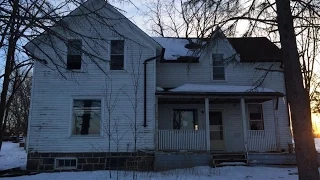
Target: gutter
{"x": 145, "y": 85}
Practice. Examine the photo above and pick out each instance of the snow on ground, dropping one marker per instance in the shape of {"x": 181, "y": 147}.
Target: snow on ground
{"x": 198, "y": 173}
{"x": 12, "y": 156}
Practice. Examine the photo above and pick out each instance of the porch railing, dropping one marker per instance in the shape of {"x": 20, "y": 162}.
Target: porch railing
{"x": 181, "y": 140}
{"x": 261, "y": 141}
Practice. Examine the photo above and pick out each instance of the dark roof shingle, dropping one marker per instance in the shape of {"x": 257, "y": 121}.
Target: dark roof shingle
{"x": 256, "y": 49}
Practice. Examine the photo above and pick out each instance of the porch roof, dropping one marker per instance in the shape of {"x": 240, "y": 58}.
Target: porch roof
{"x": 220, "y": 91}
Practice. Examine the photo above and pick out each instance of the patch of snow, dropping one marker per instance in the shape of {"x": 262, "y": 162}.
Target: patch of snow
{"x": 198, "y": 173}
{"x": 175, "y": 47}
{"x": 12, "y": 156}
{"x": 159, "y": 89}
{"x": 218, "y": 88}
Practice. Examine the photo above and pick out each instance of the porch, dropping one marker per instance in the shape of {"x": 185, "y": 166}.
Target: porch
{"x": 217, "y": 123}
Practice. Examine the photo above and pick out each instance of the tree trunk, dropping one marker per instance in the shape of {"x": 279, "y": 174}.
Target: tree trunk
{"x": 297, "y": 96}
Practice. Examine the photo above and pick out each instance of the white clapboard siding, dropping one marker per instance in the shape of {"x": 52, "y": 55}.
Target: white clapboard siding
{"x": 51, "y": 117}
{"x": 176, "y": 74}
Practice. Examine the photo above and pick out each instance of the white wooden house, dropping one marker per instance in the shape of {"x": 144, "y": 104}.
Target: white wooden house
{"x": 117, "y": 90}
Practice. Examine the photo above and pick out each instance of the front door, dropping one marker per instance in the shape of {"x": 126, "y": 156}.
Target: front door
{"x": 216, "y": 131}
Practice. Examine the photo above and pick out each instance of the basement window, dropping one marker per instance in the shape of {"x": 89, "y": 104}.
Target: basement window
{"x": 66, "y": 163}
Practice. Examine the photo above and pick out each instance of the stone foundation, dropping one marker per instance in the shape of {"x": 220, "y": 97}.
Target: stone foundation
{"x": 92, "y": 161}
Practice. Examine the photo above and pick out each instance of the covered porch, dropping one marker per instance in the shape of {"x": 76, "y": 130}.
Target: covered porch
{"x": 217, "y": 121}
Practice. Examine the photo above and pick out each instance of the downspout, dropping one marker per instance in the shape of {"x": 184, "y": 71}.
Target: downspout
{"x": 145, "y": 86}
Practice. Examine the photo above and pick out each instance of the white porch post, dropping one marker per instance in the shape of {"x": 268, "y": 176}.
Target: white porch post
{"x": 244, "y": 124}
{"x": 156, "y": 134}
{"x": 207, "y": 123}
{"x": 276, "y": 120}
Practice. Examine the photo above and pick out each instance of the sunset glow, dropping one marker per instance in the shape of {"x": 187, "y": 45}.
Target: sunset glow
{"x": 316, "y": 124}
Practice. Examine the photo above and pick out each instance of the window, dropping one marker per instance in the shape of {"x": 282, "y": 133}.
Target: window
{"x": 184, "y": 119}
{"x": 86, "y": 117}
{"x": 117, "y": 55}
{"x": 255, "y": 117}
{"x": 66, "y": 163}
{"x": 218, "y": 71}
{"x": 74, "y": 54}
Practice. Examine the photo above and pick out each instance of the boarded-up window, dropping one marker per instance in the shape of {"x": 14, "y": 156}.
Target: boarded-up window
{"x": 86, "y": 117}
{"x": 218, "y": 69}
{"x": 117, "y": 55}
{"x": 185, "y": 119}
{"x": 74, "y": 54}
{"x": 255, "y": 117}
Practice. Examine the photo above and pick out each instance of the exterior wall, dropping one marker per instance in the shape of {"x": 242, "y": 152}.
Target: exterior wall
{"x": 170, "y": 75}
{"x": 54, "y": 88}
{"x": 232, "y": 122}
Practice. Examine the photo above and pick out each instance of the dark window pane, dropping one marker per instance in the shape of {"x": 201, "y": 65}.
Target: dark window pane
{"x": 255, "y": 116}
{"x": 215, "y": 118}
{"x": 184, "y": 119}
{"x": 117, "y": 47}
{"x": 74, "y": 54}
{"x": 73, "y": 162}
{"x": 74, "y": 47}
{"x": 256, "y": 125}
{"x": 117, "y": 62}
{"x": 218, "y": 73}
{"x": 67, "y": 163}
{"x": 216, "y": 135}
{"x": 86, "y": 103}
{"x": 74, "y": 62}
{"x": 60, "y": 163}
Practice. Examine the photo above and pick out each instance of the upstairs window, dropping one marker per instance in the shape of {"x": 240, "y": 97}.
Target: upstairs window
{"x": 218, "y": 69}
{"x": 117, "y": 55}
{"x": 185, "y": 119}
{"x": 86, "y": 117}
{"x": 255, "y": 117}
{"x": 74, "y": 54}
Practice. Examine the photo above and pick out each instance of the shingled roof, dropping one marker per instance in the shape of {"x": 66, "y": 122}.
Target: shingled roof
{"x": 250, "y": 49}
{"x": 256, "y": 49}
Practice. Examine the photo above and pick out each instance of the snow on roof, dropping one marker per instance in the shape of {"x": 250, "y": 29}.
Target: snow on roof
{"x": 175, "y": 47}
{"x": 219, "y": 88}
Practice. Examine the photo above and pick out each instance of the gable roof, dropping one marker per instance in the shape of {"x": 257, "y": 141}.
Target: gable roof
{"x": 95, "y": 5}
{"x": 252, "y": 49}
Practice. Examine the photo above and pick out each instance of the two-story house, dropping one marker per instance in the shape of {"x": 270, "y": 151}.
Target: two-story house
{"x": 103, "y": 90}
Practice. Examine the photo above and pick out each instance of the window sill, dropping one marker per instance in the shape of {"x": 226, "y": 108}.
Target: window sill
{"x": 85, "y": 136}
{"x": 118, "y": 71}
{"x": 221, "y": 81}
{"x": 74, "y": 71}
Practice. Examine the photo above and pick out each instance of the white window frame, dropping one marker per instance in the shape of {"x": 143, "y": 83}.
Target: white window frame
{"x": 262, "y": 115}
{"x": 124, "y": 56}
{"x": 222, "y": 66}
{"x": 72, "y": 123}
{"x": 56, "y": 164}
